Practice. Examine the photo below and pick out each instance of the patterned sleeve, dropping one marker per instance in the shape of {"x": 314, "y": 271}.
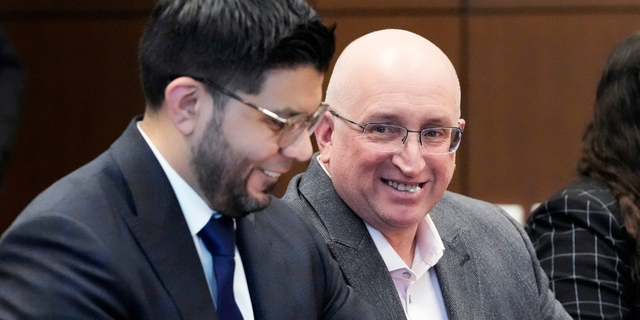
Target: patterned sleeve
{"x": 583, "y": 248}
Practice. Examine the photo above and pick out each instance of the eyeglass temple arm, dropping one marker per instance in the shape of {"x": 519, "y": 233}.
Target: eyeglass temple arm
{"x": 237, "y": 97}
{"x": 347, "y": 120}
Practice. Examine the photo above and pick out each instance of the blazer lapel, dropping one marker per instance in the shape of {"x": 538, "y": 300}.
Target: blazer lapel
{"x": 259, "y": 259}
{"x": 156, "y": 221}
{"x": 350, "y": 243}
{"x": 457, "y": 270}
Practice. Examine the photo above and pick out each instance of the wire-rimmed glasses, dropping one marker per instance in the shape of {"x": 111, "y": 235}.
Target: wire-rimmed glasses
{"x": 385, "y": 137}
{"x": 290, "y": 128}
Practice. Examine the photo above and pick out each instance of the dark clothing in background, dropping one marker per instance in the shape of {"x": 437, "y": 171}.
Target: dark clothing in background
{"x": 583, "y": 246}
{"x": 11, "y": 90}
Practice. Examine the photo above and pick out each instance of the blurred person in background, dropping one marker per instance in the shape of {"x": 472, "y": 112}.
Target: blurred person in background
{"x": 12, "y": 78}
{"x": 587, "y": 236}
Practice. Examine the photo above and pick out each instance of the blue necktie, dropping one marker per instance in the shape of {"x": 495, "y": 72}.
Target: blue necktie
{"x": 220, "y": 238}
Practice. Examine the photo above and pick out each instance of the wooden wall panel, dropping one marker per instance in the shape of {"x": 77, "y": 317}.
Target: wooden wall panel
{"x": 82, "y": 91}
{"x": 65, "y": 6}
{"x": 385, "y": 4}
{"x": 592, "y": 4}
{"x": 444, "y": 31}
{"x": 532, "y": 81}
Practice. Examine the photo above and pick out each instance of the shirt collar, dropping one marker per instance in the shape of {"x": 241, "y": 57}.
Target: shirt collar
{"x": 428, "y": 242}
{"x": 196, "y": 211}
{"x": 322, "y": 165}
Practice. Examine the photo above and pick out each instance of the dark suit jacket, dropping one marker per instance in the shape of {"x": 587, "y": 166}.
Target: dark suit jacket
{"x": 109, "y": 241}
{"x": 488, "y": 270}
{"x": 582, "y": 244}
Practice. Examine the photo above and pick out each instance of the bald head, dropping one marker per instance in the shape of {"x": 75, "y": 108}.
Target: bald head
{"x": 389, "y": 57}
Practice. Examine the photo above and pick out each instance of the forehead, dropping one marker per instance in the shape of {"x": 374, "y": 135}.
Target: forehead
{"x": 412, "y": 102}
{"x": 290, "y": 90}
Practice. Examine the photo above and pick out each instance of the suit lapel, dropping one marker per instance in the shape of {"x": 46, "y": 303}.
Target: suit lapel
{"x": 350, "y": 243}
{"x": 457, "y": 270}
{"x": 156, "y": 221}
{"x": 259, "y": 258}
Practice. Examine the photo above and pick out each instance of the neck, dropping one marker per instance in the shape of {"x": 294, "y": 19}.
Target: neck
{"x": 404, "y": 243}
{"x": 173, "y": 147}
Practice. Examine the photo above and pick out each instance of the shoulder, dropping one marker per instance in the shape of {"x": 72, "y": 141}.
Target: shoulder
{"x": 583, "y": 203}
{"x": 281, "y": 222}
{"x": 86, "y": 190}
{"x": 484, "y": 229}
{"x": 82, "y": 205}
{"x": 466, "y": 212}
{"x": 585, "y": 191}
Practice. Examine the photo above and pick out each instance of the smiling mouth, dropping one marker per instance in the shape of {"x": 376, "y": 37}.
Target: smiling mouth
{"x": 271, "y": 173}
{"x": 403, "y": 187}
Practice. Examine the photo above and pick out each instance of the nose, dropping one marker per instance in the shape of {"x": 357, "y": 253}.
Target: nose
{"x": 410, "y": 158}
{"x": 300, "y": 149}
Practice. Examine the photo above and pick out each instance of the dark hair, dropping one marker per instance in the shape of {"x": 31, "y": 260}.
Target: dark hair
{"x": 230, "y": 42}
{"x": 611, "y": 142}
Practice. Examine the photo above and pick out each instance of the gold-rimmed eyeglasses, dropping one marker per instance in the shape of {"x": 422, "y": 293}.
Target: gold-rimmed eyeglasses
{"x": 290, "y": 128}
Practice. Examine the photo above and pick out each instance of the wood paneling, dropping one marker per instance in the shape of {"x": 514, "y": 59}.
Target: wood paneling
{"x": 82, "y": 90}
{"x": 66, "y": 6}
{"x": 386, "y": 4}
{"x": 444, "y": 31}
{"x": 551, "y": 3}
{"x": 532, "y": 83}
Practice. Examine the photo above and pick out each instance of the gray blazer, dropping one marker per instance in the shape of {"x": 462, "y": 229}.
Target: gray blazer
{"x": 489, "y": 269}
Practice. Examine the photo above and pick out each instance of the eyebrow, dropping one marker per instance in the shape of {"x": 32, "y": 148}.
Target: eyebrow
{"x": 394, "y": 119}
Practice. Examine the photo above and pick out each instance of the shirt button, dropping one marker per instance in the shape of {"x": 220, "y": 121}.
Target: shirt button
{"x": 409, "y": 299}
{"x": 406, "y": 275}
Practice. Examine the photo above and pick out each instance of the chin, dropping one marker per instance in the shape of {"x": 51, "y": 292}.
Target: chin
{"x": 263, "y": 200}
{"x": 407, "y": 216}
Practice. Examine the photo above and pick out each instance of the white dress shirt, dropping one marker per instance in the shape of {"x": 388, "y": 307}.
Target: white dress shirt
{"x": 197, "y": 213}
{"x": 418, "y": 285}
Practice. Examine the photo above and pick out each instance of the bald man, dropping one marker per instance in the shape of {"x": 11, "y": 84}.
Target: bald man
{"x": 377, "y": 194}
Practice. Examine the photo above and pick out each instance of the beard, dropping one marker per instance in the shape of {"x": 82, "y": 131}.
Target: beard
{"x": 223, "y": 175}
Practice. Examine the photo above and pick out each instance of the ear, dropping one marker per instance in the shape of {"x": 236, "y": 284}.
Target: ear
{"x": 183, "y": 101}
{"x": 323, "y": 132}
{"x": 461, "y": 123}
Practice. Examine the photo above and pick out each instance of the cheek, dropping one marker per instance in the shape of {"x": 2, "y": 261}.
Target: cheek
{"x": 251, "y": 143}
{"x": 359, "y": 167}
{"x": 256, "y": 151}
{"x": 443, "y": 170}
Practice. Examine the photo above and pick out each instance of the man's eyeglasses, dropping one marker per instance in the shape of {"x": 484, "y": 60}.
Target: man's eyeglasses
{"x": 290, "y": 128}
{"x": 385, "y": 137}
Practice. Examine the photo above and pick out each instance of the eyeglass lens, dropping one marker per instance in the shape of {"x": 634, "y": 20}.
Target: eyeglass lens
{"x": 390, "y": 138}
{"x": 297, "y": 124}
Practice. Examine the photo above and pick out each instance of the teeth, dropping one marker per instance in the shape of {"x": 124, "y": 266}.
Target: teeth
{"x": 402, "y": 187}
{"x": 271, "y": 174}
